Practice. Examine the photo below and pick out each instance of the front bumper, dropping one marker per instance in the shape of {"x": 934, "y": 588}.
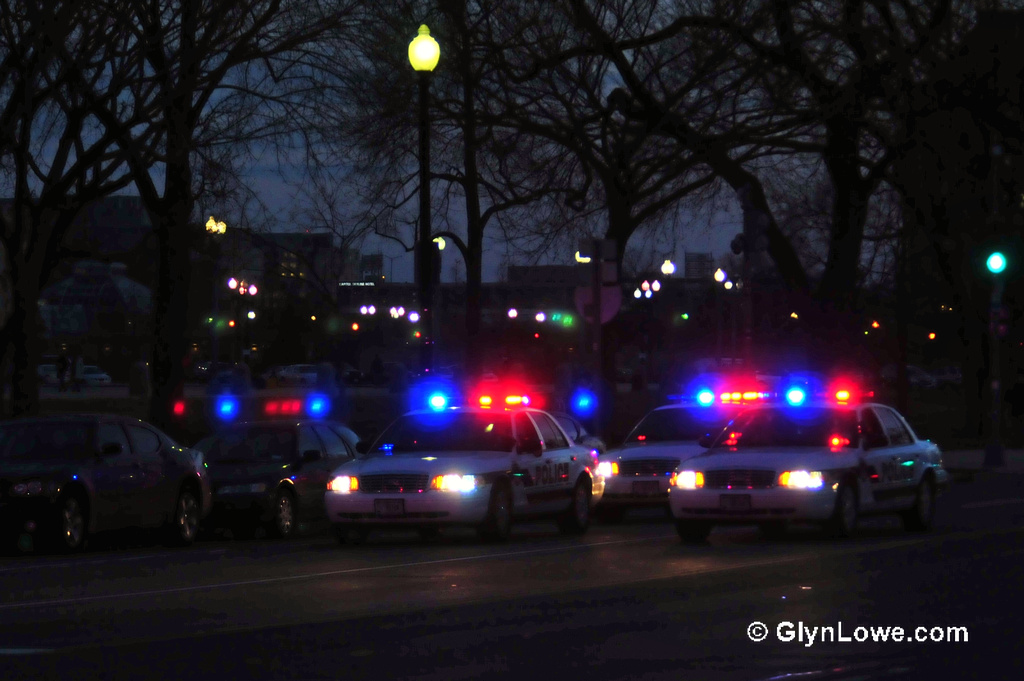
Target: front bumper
{"x": 248, "y": 507}
{"x": 752, "y": 505}
{"x": 431, "y": 507}
{"x": 33, "y": 515}
{"x": 624, "y": 491}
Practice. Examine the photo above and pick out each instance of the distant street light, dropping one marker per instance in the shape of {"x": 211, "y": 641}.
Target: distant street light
{"x": 668, "y": 268}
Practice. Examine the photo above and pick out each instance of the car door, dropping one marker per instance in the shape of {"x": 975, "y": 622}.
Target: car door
{"x": 313, "y": 473}
{"x": 532, "y": 479}
{"x": 116, "y": 479}
{"x": 903, "y": 465}
{"x": 559, "y": 457}
{"x": 336, "y": 452}
{"x": 157, "y": 492}
{"x": 879, "y": 459}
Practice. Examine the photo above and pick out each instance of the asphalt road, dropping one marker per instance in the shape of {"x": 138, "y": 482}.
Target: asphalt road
{"x": 623, "y": 602}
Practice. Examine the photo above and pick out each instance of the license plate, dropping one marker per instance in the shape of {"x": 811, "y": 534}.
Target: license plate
{"x": 647, "y": 488}
{"x": 389, "y": 508}
{"x": 734, "y": 502}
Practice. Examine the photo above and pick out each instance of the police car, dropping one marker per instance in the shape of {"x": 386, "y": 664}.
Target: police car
{"x": 481, "y": 466}
{"x": 637, "y": 474}
{"x": 816, "y": 455}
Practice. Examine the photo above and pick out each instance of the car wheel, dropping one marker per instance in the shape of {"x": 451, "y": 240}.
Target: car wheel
{"x": 498, "y": 525}
{"x": 73, "y": 527}
{"x": 285, "y": 517}
{"x": 185, "y": 520}
{"x": 576, "y": 518}
{"x": 844, "y": 518}
{"x": 918, "y": 518}
{"x": 693, "y": 531}
{"x": 610, "y": 514}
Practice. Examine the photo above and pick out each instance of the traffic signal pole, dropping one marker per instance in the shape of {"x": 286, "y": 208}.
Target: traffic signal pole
{"x": 994, "y": 449}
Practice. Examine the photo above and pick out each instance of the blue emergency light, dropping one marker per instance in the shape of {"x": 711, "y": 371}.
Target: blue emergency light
{"x": 583, "y": 402}
{"x": 705, "y": 397}
{"x": 318, "y": 405}
{"x": 226, "y": 407}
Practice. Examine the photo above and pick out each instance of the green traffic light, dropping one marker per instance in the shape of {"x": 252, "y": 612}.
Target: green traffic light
{"x": 996, "y": 263}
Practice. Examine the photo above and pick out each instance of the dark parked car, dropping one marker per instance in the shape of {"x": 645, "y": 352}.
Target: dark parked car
{"x": 63, "y": 478}
{"x": 272, "y": 473}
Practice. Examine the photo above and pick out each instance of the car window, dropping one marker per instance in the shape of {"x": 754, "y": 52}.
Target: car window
{"x": 678, "y": 424}
{"x": 526, "y": 433}
{"x": 871, "y": 430}
{"x": 570, "y": 426}
{"x": 308, "y": 440}
{"x": 894, "y": 428}
{"x": 803, "y": 427}
{"x": 144, "y": 441}
{"x": 346, "y": 434}
{"x": 551, "y": 436}
{"x": 334, "y": 446}
{"x": 113, "y": 432}
{"x": 450, "y": 432}
{"x": 45, "y": 442}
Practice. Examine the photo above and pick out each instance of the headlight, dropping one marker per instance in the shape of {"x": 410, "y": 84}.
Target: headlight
{"x": 689, "y": 479}
{"x": 608, "y": 468}
{"x": 343, "y": 484}
{"x": 254, "y": 488}
{"x": 454, "y": 483}
{"x": 802, "y": 479}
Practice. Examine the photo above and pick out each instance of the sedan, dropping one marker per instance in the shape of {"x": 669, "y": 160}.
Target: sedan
{"x": 825, "y": 462}
{"x": 474, "y": 467}
{"x": 270, "y": 474}
{"x": 63, "y": 478}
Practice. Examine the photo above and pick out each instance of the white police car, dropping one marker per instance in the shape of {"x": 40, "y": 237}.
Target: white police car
{"x": 637, "y": 474}
{"x": 815, "y": 460}
{"x": 480, "y": 467}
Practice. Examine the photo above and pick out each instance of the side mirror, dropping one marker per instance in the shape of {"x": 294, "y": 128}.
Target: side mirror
{"x": 705, "y": 440}
{"x": 362, "y": 446}
{"x": 311, "y": 455}
{"x": 111, "y": 449}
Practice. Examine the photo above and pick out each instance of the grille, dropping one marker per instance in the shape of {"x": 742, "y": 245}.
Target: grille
{"x": 648, "y": 467}
{"x": 393, "y": 483}
{"x": 739, "y": 478}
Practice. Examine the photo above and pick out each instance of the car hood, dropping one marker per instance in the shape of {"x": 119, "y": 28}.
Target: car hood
{"x": 681, "y": 450}
{"x": 774, "y": 458}
{"x": 436, "y": 463}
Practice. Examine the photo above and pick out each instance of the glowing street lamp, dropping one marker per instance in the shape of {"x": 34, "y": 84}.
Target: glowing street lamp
{"x": 424, "y": 53}
{"x": 668, "y": 268}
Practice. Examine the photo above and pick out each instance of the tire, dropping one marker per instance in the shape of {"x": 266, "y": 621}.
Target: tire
{"x": 284, "y": 518}
{"x": 610, "y": 515}
{"x": 576, "y": 518}
{"x": 844, "y": 518}
{"x": 498, "y": 525}
{"x": 184, "y": 525}
{"x": 693, "y": 531}
{"x": 919, "y": 517}
{"x": 72, "y": 524}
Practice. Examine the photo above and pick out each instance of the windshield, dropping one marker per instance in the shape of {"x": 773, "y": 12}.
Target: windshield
{"x": 446, "y": 431}
{"x": 790, "y": 427}
{"x": 259, "y": 444}
{"x": 673, "y": 425}
{"x": 47, "y": 442}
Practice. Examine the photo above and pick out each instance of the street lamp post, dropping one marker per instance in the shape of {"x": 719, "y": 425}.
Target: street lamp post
{"x": 996, "y": 264}
{"x": 424, "y": 53}
{"x": 215, "y": 228}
